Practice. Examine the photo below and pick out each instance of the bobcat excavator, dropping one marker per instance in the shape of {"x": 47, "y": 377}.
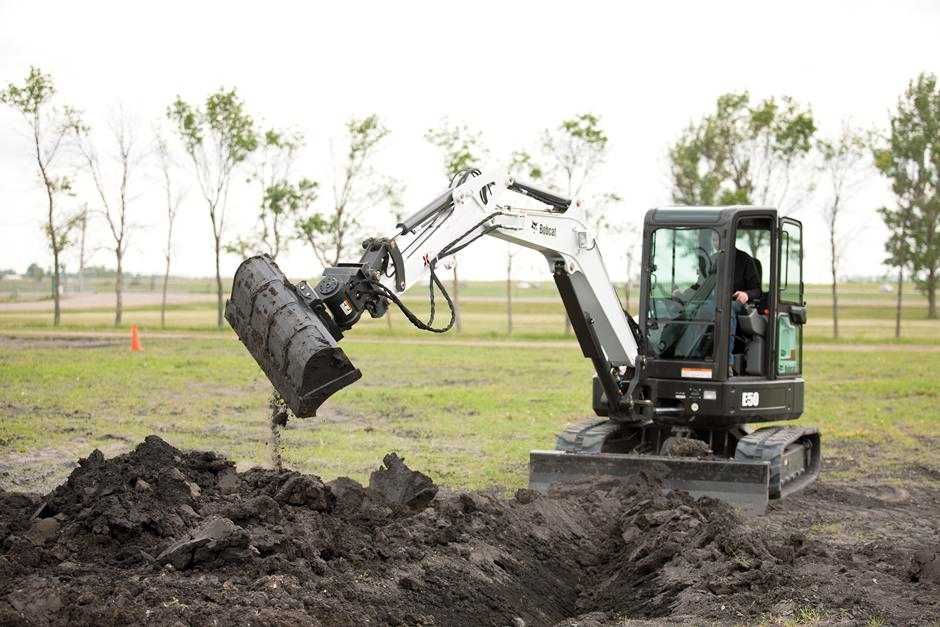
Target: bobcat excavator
{"x": 674, "y": 392}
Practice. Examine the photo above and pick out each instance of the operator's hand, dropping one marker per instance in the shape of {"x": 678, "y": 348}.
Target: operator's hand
{"x": 741, "y": 297}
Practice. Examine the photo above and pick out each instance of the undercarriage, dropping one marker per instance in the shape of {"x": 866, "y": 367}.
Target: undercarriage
{"x": 743, "y": 466}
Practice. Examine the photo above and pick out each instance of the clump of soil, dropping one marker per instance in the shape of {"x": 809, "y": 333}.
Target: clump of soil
{"x": 161, "y": 536}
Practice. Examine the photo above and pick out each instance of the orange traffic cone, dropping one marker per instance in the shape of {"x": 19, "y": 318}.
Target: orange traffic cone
{"x": 135, "y": 339}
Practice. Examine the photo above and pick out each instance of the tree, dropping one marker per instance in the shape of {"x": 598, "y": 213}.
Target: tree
{"x": 631, "y": 240}
{"x": 521, "y": 163}
{"x": 82, "y": 248}
{"x": 114, "y": 194}
{"x": 173, "y": 197}
{"x": 899, "y": 256}
{"x": 394, "y": 193}
{"x": 745, "y": 155}
{"x": 356, "y": 186}
{"x": 911, "y": 160}
{"x": 278, "y": 198}
{"x": 461, "y": 149}
{"x": 35, "y": 272}
{"x": 575, "y": 149}
{"x": 509, "y": 256}
{"x": 597, "y": 213}
{"x": 218, "y": 137}
{"x": 844, "y": 161}
{"x": 49, "y": 128}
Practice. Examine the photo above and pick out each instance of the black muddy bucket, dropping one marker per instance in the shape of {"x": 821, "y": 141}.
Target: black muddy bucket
{"x": 286, "y": 337}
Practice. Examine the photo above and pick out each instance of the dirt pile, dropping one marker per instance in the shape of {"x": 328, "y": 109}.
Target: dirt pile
{"x": 160, "y": 535}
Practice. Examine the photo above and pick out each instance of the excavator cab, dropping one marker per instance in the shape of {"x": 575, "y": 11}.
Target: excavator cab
{"x": 709, "y": 358}
{"x": 709, "y": 366}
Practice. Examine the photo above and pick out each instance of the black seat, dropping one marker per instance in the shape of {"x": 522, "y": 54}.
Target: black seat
{"x": 752, "y": 329}
{"x": 752, "y": 323}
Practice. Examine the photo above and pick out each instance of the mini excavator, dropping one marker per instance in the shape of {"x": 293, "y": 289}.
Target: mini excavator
{"x": 676, "y": 393}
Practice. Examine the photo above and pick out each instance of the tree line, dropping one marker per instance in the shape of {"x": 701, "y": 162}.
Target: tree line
{"x": 766, "y": 152}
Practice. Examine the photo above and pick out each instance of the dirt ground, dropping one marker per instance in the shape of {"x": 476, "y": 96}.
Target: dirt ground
{"x": 163, "y": 536}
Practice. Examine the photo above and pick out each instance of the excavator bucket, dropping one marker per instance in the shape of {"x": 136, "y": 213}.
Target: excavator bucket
{"x": 286, "y": 337}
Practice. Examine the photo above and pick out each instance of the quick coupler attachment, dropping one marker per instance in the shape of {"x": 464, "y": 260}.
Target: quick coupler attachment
{"x": 287, "y": 338}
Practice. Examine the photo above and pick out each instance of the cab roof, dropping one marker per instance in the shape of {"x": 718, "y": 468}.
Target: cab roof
{"x": 693, "y": 216}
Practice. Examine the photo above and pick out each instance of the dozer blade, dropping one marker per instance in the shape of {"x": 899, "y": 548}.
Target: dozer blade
{"x": 286, "y": 337}
{"x": 742, "y": 484}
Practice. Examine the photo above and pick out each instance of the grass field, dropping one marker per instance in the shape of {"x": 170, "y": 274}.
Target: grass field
{"x": 465, "y": 410}
{"x": 466, "y": 415}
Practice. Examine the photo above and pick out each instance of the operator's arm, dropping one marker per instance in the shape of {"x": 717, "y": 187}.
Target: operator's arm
{"x": 746, "y": 286}
{"x": 751, "y": 280}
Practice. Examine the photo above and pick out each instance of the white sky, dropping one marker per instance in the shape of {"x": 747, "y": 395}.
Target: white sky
{"x": 508, "y": 69}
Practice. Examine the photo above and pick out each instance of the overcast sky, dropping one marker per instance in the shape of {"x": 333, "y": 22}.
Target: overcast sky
{"x": 509, "y": 69}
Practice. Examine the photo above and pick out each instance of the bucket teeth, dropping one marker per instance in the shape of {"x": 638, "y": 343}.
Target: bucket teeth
{"x": 286, "y": 337}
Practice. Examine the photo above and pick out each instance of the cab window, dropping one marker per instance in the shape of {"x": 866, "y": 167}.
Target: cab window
{"x": 790, "y": 279}
{"x": 681, "y": 304}
{"x": 791, "y": 263}
{"x": 753, "y": 237}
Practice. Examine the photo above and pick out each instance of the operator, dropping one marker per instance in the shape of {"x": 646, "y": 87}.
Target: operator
{"x": 745, "y": 288}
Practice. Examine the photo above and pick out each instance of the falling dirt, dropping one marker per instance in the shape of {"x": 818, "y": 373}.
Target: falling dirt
{"x": 164, "y": 536}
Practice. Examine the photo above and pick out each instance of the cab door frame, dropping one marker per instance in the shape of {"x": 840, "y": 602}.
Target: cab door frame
{"x": 769, "y": 363}
{"x": 784, "y": 304}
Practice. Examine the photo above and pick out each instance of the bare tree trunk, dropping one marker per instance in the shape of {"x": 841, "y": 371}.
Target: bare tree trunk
{"x": 897, "y": 318}
{"x": 835, "y": 291}
{"x": 56, "y": 315}
{"x": 218, "y": 278}
{"x": 455, "y": 296}
{"x": 166, "y": 279}
{"x": 388, "y": 319}
{"x": 172, "y": 206}
{"x": 567, "y": 324}
{"x": 81, "y": 252}
{"x": 53, "y": 241}
{"x": 509, "y": 293}
{"x": 119, "y": 287}
{"x": 932, "y": 295}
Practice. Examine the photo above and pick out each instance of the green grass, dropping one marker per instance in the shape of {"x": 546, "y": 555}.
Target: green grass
{"x": 467, "y": 416}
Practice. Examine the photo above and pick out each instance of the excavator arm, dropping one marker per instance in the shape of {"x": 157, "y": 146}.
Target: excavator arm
{"x": 292, "y": 330}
